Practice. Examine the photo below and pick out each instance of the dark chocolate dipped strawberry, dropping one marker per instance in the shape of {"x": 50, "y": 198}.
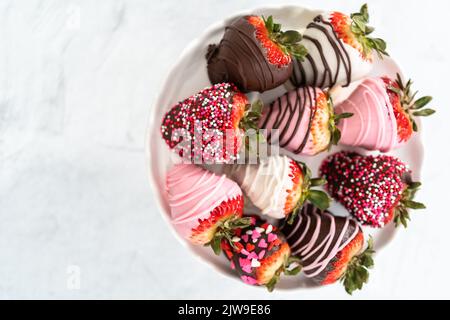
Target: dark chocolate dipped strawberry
{"x": 208, "y": 126}
{"x": 384, "y": 114}
{"x": 330, "y": 248}
{"x": 340, "y": 50}
{"x": 302, "y": 121}
{"x": 374, "y": 189}
{"x": 259, "y": 254}
{"x": 254, "y": 54}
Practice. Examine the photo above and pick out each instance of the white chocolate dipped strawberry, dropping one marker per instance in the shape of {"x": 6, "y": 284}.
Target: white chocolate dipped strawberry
{"x": 340, "y": 50}
{"x": 278, "y": 185}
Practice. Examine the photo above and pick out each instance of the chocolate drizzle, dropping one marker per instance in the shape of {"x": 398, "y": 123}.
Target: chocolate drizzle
{"x": 304, "y": 98}
{"x": 300, "y": 77}
{"x": 240, "y": 59}
{"x": 317, "y": 237}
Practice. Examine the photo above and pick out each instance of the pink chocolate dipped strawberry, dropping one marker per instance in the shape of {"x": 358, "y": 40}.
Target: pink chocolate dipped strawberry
{"x": 330, "y": 248}
{"x": 208, "y": 126}
{"x": 383, "y": 114}
{"x": 340, "y": 50}
{"x": 302, "y": 121}
{"x": 260, "y": 254}
{"x": 205, "y": 207}
{"x": 375, "y": 189}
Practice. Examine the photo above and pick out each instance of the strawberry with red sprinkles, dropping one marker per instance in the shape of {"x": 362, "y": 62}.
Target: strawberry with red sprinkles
{"x": 375, "y": 189}
{"x": 208, "y": 126}
{"x": 260, "y": 254}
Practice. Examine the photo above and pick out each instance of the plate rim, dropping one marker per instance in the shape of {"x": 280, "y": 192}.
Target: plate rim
{"x": 151, "y": 122}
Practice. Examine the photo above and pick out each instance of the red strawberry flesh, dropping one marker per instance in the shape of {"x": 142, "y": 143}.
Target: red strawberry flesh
{"x": 274, "y": 53}
{"x": 343, "y": 258}
{"x": 271, "y": 264}
{"x": 342, "y": 27}
{"x": 404, "y": 125}
{"x": 295, "y": 192}
{"x": 206, "y": 228}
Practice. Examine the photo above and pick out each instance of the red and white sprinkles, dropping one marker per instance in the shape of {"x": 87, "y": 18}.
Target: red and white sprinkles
{"x": 202, "y": 122}
{"x": 368, "y": 186}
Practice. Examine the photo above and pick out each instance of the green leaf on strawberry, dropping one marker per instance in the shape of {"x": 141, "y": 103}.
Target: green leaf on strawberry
{"x": 362, "y": 31}
{"x": 316, "y": 182}
{"x": 424, "y": 113}
{"x": 288, "y": 41}
{"x": 357, "y": 273}
{"x": 401, "y": 213}
{"x": 291, "y": 267}
{"x": 225, "y": 230}
{"x": 333, "y": 123}
{"x": 317, "y": 197}
{"x": 412, "y": 106}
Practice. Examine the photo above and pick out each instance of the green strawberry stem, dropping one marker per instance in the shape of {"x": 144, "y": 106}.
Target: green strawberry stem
{"x": 401, "y": 213}
{"x": 357, "y": 273}
{"x": 291, "y": 267}
{"x": 335, "y": 133}
{"x": 362, "y": 31}
{"x": 249, "y": 123}
{"x": 412, "y": 106}
{"x": 251, "y": 116}
{"x": 318, "y": 198}
{"x": 225, "y": 230}
{"x": 288, "y": 41}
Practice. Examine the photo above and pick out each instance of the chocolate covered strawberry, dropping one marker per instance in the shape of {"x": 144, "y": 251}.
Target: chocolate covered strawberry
{"x": 205, "y": 207}
{"x": 254, "y": 54}
{"x": 340, "y": 50}
{"x": 330, "y": 248}
{"x": 278, "y": 185}
{"x": 374, "y": 189}
{"x": 208, "y": 126}
{"x": 260, "y": 254}
{"x": 384, "y": 110}
{"x": 302, "y": 121}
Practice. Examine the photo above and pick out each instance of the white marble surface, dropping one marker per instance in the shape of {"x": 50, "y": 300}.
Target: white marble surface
{"x": 77, "y": 80}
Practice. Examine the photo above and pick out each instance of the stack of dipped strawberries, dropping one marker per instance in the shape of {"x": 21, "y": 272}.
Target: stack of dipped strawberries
{"x": 293, "y": 231}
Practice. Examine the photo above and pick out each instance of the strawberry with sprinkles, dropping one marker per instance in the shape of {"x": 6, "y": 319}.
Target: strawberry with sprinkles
{"x": 375, "y": 189}
{"x": 260, "y": 254}
{"x": 208, "y": 126}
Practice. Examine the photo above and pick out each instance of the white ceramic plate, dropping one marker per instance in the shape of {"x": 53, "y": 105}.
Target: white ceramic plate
{"x": 189, "y": 76}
